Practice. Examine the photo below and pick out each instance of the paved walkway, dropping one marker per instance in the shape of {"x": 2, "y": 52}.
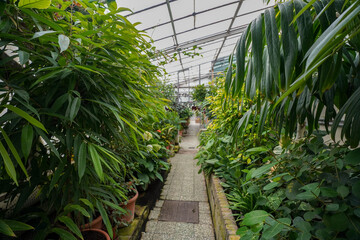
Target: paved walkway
{"x": 185, "y": 184}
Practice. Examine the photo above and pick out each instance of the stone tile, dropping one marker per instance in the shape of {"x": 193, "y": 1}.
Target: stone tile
{"x": 204, "y": 230}
{"x": 154, "y": 214}
{"x": 166, "y": 227}
{"x": 185, "y": 228}
{"x": 205, "y": 218}
{"x": 159, "y": 203}
{"x": 146, "y": 236}
{"x": 151, "y": 226}
{"x": 200, "y": 197}
{"x": 204, "y": 207}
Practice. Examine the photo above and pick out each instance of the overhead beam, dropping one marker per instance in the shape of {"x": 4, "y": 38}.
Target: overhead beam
{"x": 204, "y": 40}
{"x": 175, "y": 36}
{"x": 231, "y": 24}
{"x": 149, "y": 8}
{"x": 190, "y": 15}
{"x": 213, "y": 23}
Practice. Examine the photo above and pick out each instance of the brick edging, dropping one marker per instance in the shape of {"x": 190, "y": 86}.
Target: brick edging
{"x": 224, "y": 223}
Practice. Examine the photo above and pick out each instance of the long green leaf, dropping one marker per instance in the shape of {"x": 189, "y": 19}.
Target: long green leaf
{"x": 95, "y": 157}
{"x": 74, "y": 108}
{"x": 64, "y": 235}
{"x": 25, "y": 115}
{"x": 18, "y": 226}
{"x": 39, "y": 4}
{"x": 14, "y": 151}
{"x": 9, "y": 166}
{"x": 289, "y": 41}
{"x": 27, "y": 136}
{"x": 81, "y": 160}
{"x": 5, "y": 229}
{"x": 71, "y": 225}
{"x": 257, "y": 46}
{"x": 273, "y": 43}
{"x": 105, "y": 217}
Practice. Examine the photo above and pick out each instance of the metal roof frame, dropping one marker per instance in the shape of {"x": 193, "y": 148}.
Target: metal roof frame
{"x": 213, "y": 37}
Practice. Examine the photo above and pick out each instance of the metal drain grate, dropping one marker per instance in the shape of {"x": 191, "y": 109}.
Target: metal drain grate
{"x": 180, "y": 211}
{"x": 191, "y": 147}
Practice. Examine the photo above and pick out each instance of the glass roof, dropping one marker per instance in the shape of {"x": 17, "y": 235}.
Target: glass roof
{"x": 176, "y": 26}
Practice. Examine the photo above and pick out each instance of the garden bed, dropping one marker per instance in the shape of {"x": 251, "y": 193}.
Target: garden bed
{"x": 224, "y": 223}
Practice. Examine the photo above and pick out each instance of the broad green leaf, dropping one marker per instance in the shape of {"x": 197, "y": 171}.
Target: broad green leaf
{"x": 95, "y": 157}
{"x": 5, "y": 229}
{"x": 25, "y": 115}
{"x": 302, "y": 225}
{"x": 270, "y": 186}
{"x": 343, "y": 191}
{"x": 64, "y": 42}
{"x": 71, "y": 225}
{"x": 328, "y": 192}
{"x": 356, "y": 189}
{"x": 9, "y": 166}
{"x": 64, "y": 235}
{"x": 27, "y": 136}
{"x": 254, "y": 217}
{"x": 276, "y": 227}
{"x": 262, "y": 170}
{"x": 82, "y": 160}
{"x": 308, "y": 216}
{"x": 14, "y": 152}
{"x": 332, "y": 207}
{"x": 39, "y": 4}
{"x": 337, "y": 222}
{"x": 353, "y": 157}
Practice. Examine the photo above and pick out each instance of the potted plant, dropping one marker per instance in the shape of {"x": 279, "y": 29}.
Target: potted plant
{"x": 197, "y": 114}
{"x": 95, "y": 234}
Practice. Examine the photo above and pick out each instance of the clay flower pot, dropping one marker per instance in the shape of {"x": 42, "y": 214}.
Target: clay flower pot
{"x": 97, "y": 223}
{"x": 95, "y": 234}
{"x": 126, "y": 219}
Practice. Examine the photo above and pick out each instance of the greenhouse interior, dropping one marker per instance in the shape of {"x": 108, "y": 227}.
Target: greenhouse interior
{"x": 180, "y": 119}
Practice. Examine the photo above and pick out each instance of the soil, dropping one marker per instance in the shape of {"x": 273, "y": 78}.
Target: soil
{"x": 92, "y": 235}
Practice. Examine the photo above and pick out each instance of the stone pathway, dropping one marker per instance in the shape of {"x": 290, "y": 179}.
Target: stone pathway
{"x": 184, "y": 184}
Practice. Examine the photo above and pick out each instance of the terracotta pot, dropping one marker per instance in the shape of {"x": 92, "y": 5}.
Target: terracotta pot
{"x": 181, "y": 132}
{"x": 97, "y": 223}
{"x": 126, "y": 219}
{"x": 95, "y": 234}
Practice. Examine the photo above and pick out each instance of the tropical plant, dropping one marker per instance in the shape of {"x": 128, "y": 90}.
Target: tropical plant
{"x": 303, "y": 60}
{"x": 76, "y": 95}
{"x": 199, "y": 93}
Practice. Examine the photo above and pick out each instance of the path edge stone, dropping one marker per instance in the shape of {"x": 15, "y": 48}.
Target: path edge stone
{"x": 224, "y": 223}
